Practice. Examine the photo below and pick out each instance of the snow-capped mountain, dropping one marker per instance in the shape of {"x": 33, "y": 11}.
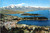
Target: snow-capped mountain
{"x": 22, "y": 8}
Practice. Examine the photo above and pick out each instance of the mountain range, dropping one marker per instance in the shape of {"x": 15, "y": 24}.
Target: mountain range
{"x": 23, "y": 8}
{"x": 20, "y": 9}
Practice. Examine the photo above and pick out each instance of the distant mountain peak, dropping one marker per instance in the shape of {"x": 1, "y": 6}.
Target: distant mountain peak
{"x": 12, "y": 6}
{"x": 23, "y": 8}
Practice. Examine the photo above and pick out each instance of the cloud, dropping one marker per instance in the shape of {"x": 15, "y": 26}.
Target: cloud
{"x": 12, "y": 5}
{"x": 17, "y": 4}
{"x": 20, "y": 4}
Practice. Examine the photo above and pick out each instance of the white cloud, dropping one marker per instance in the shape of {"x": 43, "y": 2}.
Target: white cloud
{"x": 20, "y": 4}
{"x": 17, "y": 4}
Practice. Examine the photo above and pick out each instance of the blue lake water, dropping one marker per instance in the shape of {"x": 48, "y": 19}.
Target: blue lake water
{"x": 37, "y": 22}
{"x": 43, "y": 13}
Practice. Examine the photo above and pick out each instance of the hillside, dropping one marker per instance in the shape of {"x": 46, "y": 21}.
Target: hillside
{"x": 10, "y": 12}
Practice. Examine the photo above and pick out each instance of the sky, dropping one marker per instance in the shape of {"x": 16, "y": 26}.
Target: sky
{"x": 35, "y": 3}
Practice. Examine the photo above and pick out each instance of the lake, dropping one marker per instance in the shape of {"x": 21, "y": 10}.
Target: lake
{"x": 35, "y": 22}
{"x": 43, "y": 13}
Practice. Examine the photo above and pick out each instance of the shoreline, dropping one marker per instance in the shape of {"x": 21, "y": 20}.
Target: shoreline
{"x": 35, "y": 25}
